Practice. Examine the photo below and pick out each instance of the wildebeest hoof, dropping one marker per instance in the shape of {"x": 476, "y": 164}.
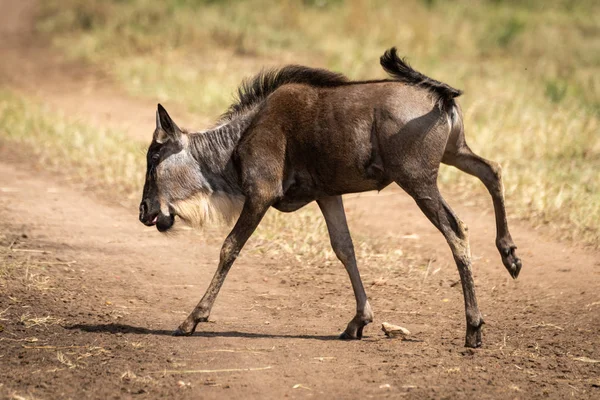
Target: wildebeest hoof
{"x": 347, "y": 336}
{"x": 473, "y": 338}
{"x": 473, "y": 343}
{"x": 511, "y": 261}
{"x": 187, "y": 328}
{"x": 181, "y": 332}
{"x": 515, "y": 268}
{"x": 352, "y": 333}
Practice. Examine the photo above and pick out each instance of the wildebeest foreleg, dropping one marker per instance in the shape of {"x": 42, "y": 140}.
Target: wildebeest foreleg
{"x": 248, "y": 221}
{"x": 432, "y": 204}
{"x": 333, "y": 211}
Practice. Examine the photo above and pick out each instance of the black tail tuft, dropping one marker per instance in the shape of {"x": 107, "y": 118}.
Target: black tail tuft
{"x": 401, "y": 71}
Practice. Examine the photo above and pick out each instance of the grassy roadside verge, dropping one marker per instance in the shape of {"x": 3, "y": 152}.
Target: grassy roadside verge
{"x": 96, "y": 158}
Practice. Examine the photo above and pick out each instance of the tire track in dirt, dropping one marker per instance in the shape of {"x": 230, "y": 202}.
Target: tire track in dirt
{"x": 538, "y": 324}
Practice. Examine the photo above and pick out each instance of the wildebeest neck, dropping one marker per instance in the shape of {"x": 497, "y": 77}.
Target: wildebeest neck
{"x": 213, "y": 149}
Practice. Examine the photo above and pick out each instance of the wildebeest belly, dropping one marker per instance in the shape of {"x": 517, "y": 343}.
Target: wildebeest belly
{"x": 297, "y": 197}
{"x": 303, "y": 187}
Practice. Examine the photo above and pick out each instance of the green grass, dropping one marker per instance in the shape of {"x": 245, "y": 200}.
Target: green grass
{"x": 530, "y": 71}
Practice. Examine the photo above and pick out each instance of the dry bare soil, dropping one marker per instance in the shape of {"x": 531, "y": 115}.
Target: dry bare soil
{"x": 90, "y": 296}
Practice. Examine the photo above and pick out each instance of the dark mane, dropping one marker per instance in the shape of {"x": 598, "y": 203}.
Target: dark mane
{"x": 401, "y": 71}
{"x": 253, "y": 91}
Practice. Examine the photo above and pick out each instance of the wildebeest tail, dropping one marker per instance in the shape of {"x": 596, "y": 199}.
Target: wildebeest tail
{"x": 401, "y": 71}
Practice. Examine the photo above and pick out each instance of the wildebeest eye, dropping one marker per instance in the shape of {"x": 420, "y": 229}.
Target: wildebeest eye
{"x": 155, "y": 157}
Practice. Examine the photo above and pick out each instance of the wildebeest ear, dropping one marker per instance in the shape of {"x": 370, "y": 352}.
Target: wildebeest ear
{"x": 166, "y": 128}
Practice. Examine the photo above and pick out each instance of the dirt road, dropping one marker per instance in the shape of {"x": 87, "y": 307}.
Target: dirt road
{"x": 93, "y": 317}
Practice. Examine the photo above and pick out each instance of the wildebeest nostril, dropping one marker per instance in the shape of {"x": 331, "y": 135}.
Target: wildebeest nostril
{"x": 143, "y": 209}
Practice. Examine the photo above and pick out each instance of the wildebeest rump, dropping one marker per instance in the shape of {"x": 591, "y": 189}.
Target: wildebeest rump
{"x": 299, "y": 134}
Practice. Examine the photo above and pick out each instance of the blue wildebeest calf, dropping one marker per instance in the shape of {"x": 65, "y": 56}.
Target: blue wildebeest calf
{"x": 297, "y": 135}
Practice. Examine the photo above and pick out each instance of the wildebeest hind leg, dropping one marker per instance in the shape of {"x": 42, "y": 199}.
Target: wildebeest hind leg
{"x": 333, "y": 211}
{"x": 248, "y": 221}
{"x": 430, "y": 201}
{"x": 490, "y": 173}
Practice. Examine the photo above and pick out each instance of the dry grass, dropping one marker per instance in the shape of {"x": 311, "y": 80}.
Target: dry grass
{"x": 22, "y": 270}
{"x": 129, "y": 376}
{"x": 30, "y": 321}
{"x": 303, "y": 236}
{"x": 530, "y": 71}
{"x": 35, "y": 280}
{"x": 16, "y": 396}
{"x": 2, "y": 312}
{"x": 96, "y": 158}
{"x": 7, "y": 265}
{"x": 64, "y": 360}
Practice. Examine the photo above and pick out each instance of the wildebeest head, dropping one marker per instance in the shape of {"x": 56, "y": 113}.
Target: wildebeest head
{"x": 176, "y": 185}
{"x": 169, "y": 174}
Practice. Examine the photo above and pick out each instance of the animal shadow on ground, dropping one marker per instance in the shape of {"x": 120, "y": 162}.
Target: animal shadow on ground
{"x": 123, "y": 328}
